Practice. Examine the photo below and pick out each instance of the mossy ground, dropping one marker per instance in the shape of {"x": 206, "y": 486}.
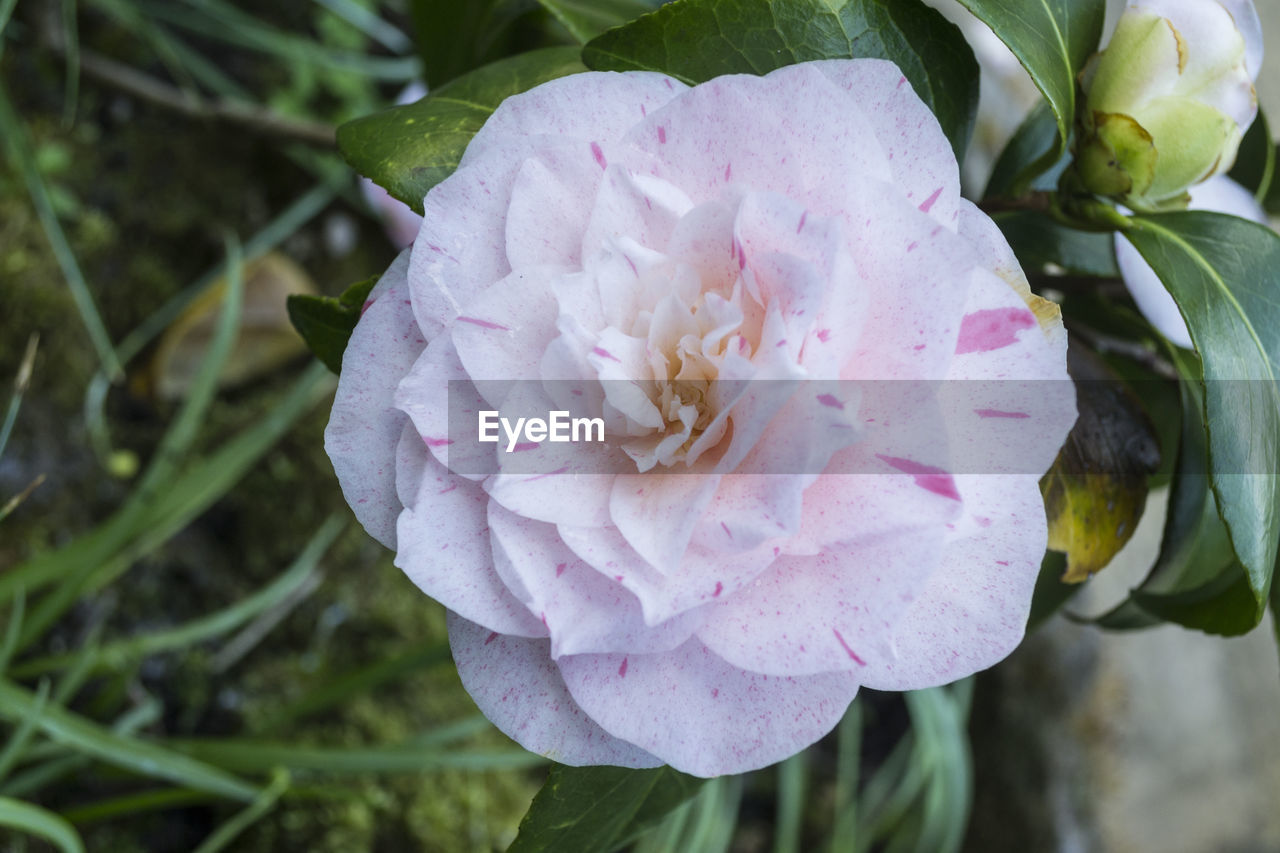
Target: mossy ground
{"x": 144, "y": 197}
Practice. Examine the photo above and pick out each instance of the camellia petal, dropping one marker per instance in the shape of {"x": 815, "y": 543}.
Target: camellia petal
{"x": 700, "y": 714}
{"x": 973, "y": 611}
{"x": 358, "y": 439}
{"x": 519, "y": 688}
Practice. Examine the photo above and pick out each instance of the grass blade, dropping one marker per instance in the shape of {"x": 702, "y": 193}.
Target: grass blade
{"x": 226, "y": 23}
{"x": 18, "y": 148}
{"x": 369, "y": 23}
{"x": 793, "y": 779}
{"x": 199, "y": 486}
{"x": 35, "y": 778}
{"x": 343, "y": 687}
{"x": 34, "y": 820}
{"x": 19, "y": 389}
{"x": 6, "y": 12}
{"x": 120, "y": 654}
{"x": 227, "y": 833}
{"x": 13, "y": 629}
{"x": 139, "y": 756}
{"x": 186, "y": 425}
{"x": 844, "y": 835}
{"x": 301, "y": 211}
{"x": 17, "y": 745}
{"x": 71, "y": 46}
{"x": 132, "y": 804}
{"x": 251, "y": 756}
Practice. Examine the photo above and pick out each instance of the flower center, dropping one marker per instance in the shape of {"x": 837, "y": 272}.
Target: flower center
{"x": 687, "y": 347}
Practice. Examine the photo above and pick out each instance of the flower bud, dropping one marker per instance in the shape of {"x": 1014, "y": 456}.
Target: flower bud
{"x": 1169, "y": 99}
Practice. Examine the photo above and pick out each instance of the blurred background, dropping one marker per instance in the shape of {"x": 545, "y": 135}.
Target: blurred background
{"x": 202, "y": 650}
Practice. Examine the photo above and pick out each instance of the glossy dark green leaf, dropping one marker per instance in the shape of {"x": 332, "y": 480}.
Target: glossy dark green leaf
{"x": 326, "y": 322}
{"x": 695, "y": 40}
{"x": 1038, "y": 241}
{"x": 1224, "y": 273}
{"x": 1097, "y": 488}
{"x": 1255, "y": 167}
{"x": 586, "y": 19}
{"x": 411, "y": 148}
{"x": 1052, "y": 39}
{"x": 1225, "y": 606}
{"x": 1051, "y": 591}
{"x": 456, "y": 37}
{"x": 598, "y": 809}
{"x": 1275, "y": 612}
{"x": 1019, "y": 167}
{"x": 1196, "y": 578}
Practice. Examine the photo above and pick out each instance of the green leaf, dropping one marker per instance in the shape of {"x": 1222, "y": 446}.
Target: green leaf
{"x": 1052, "y": 39}
{"x": 1196, "y": 579}
{"x": 454, "y": 38}
{"x": 598, "y": 809}
{"x": 1255, "y": 167}
{"x": 695, "y": 40}
{"x": 1018, "y": 168}
{"x": 409, "y": 149}
{"x": 1272, "y": 202}
{"x": 1225, "y": 606}
{"x": 586, "y": 19}
{"x": 1275, "y": 612}
{"x": 1038, "y": 240}
{"x": 1050, "y": 592}
{"x": 1224, "y": 273}
{"x": 34, "y": 820}
{"x": 326, "y": 322}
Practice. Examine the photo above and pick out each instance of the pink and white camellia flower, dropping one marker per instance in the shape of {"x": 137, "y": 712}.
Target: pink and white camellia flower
{"x": 708, "y": 586}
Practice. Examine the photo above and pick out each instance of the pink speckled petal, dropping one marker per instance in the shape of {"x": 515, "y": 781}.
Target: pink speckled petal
{"x": 642, "y": 208}
{"x": 657, "y": 513}
{"x": 444, "y": 549}
{"x": 444, "y": 404}
{"x": 701, "y": 715}
{"x": 591, "y": 107}
{"x": 1007, "y": 409}
{"x": 702, "y": 576}
{"x": 919, "y": 154}
{"x": 851, "y": 507}
{"x": 1220, "y": 195}
{"x": 837, "y": 608}
{"x": 550, "y": 205}
{"x": 575, "y": 499}
{"x": 517, "y": 686}
{"x": 973, "y": 611}
{"x": 365, "y": 426}
{"x": 411, "y": 464}
{"x": 778, "y": 132}
{"x": 585, "y": 611}
{"x": 502, "y": 333}
{"x": 794, "y": 254}
{"x": 554, "y": 482}
{"x": 919, "y": 275}
{"x": 462, "y": 246}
